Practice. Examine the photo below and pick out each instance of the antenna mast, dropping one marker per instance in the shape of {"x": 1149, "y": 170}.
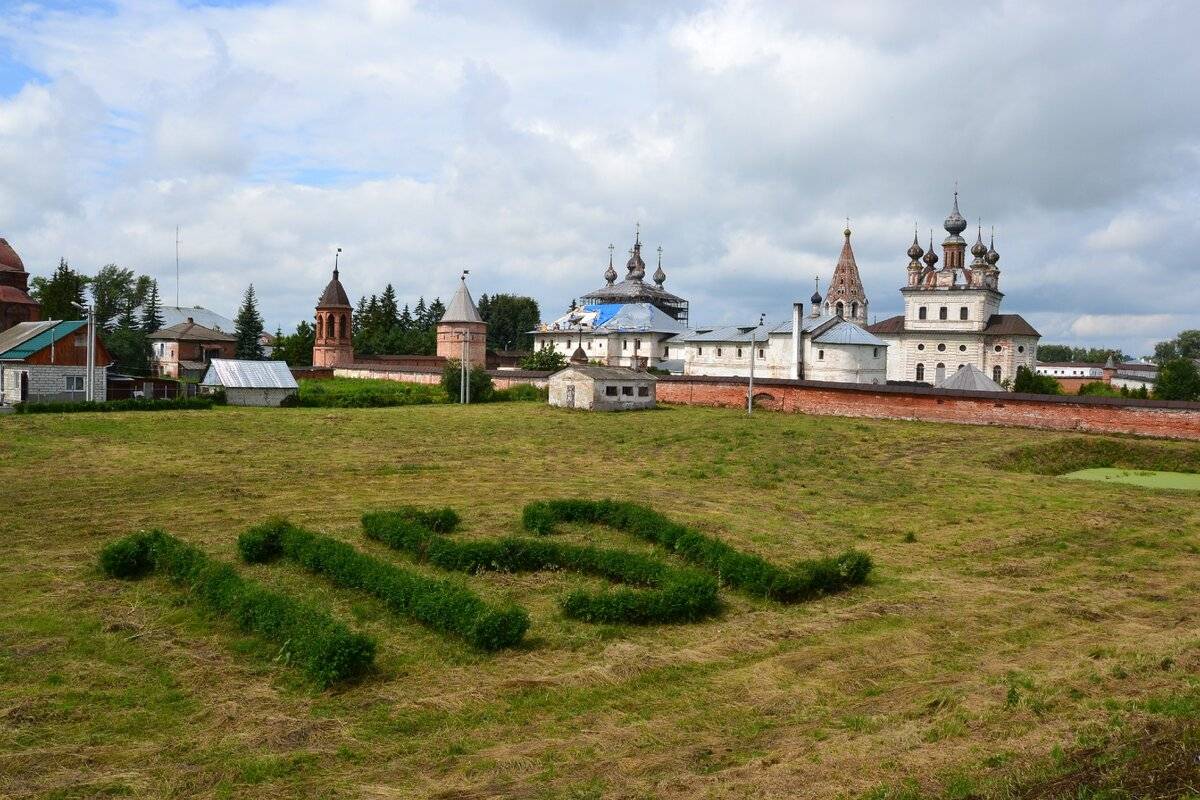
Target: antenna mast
{"x": 177, "y": 266}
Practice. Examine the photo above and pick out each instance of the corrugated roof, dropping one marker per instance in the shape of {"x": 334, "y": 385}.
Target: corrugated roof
{"x": 890, "y": 325}
{"x": 173, "y": 315}
{"x": 26, "y": 338}
{"x": 608, "y": 373}
{"x": 238, "y": 374}
{"x": 970, "y": 379}
{"x": 462, "y": 307}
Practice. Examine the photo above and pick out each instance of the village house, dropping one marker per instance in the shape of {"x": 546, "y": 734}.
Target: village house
{"x": 185, "y": 350}
{"x": 43, "y": 362}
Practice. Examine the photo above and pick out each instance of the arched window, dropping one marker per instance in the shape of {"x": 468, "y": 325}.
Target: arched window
{"x": 942, "y": 313}
{"x": 345, "y": 327}
{"x": 922, "y": 313}
{"x": 841, "y": 309}
{"x": 320, "y": 327}
{"x": 940, "y": 374}
{"x": 854, "y": 309}
{"x": 820, "y": 355}
{"x": 996, "y": 373}
{"x": 920, "y": 372}
{"x": 962, "y": 313}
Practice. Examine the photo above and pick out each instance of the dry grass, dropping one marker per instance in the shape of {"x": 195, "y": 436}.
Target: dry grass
{"x": 1026, "y": 616}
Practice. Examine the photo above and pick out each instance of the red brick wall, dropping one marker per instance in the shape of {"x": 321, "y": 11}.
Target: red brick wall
{"x": 1095, "y": 414}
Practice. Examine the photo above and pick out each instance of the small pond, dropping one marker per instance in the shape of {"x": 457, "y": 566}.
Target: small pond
{"x": 1140, "y": 477}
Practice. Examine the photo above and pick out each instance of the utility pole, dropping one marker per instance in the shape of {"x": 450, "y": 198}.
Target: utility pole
{"x": 753, "y": 352}
{"x": 177, "y": 266}
{"x": 88, "y": 393}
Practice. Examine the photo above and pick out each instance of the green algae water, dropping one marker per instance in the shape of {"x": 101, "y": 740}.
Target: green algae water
{"x": 1140, "y": 477}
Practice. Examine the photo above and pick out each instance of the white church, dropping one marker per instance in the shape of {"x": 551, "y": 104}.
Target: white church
{"x": 951, "y": 320}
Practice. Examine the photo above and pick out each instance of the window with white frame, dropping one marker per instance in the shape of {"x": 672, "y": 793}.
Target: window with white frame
{"x": 74, "y": 383}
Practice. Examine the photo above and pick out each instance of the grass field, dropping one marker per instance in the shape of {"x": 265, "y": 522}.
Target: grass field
{"x": 1022, "y": 635}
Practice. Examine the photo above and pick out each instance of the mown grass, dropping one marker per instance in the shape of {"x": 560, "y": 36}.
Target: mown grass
{"x": 1021, "y": 636}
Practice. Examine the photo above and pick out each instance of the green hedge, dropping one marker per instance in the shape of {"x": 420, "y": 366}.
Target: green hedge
{"x": 362, "y": 393}
{"x": 441, "y": 605}
{"x": 670, "y": 594}
{"x": 133, "y": 404}
{"x": 745, "y": 571}
{"x": 324, "y": 648}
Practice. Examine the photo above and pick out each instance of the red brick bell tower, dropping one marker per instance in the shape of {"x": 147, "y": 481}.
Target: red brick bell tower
{"x": 333, "y": 346}
{"x": 462, "y": 329}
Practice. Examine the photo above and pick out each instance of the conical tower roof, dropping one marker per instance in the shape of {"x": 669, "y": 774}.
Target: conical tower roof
{"x": 334, "y": 295}
{"x": 846, "y": 284}
{"x": 462, "y": 307}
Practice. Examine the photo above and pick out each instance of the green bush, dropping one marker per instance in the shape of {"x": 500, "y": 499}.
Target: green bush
{"x": 363, "y": 393}
{"x": 750, "y": 573}
{"x": 1097, "y": 389}
{"x": 133, "y": 404}
{"x": 1029, "y": 382}
{"x": 520, "y": 391}
{"x": 480, "y": 381}
{"x": 669, "y": 594}
{"x": 546, "y": 359}
{"x": 441, "y": 605}
{"x": 324, "y": 648}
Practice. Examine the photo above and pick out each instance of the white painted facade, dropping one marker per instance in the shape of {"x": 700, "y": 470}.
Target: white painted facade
{"x": 51, "y": 383}
{"x": 595, "y": 388}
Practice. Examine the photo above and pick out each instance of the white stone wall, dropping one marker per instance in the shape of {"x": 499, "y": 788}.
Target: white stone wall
{"x": 257, "y": 397}
{"x": 723, "y": 359}
{"x": 844, "y": 363}
{"x": 591, "y": 394}
{"x": 47, "y": 382}
{"x": 907, "y": 350}
{"x": 981, "y": 304}
{"x": 611, "y": 349}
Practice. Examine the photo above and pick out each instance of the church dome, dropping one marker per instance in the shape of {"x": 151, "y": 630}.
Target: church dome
{"x": 979, "y": 249}
{"x": 914, "y": 249}
{"x": 815, "y": 299}
{"x": 931, "y": 257}
{"x": 955, "y": 223}
{"x": 9, "y": 260}
{"x": 334, "y": 295}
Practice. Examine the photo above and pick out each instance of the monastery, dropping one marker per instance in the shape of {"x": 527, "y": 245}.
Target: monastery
{"x": 951, "y": 320}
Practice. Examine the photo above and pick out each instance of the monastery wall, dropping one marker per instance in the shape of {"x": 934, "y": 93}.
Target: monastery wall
{"x": 1168, "y": 419}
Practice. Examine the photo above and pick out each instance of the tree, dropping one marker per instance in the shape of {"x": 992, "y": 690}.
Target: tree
{"x": 421, "y": 314}
{"x": 1054, "y": 352}
{"x": 1185, "y": 345}
{"x": 127, "y": 342}
{"x": 112, "y": 289}
{"x": 1098, "y": 389}
{"x": 437, "y": 310}
{"x": 152, "y": 318}
{"x": 545, "y": 359}
{"x": 406, "y": 320}
{"x": 56, "y": 293}
{"x": 510, "y": 317}
{"x": 1178, "y": 379}
{"x": 248, "y": 327}
{"x": 296, "y": 348}
{"x": 1064, "y": 352}
{"x": 480, "y": 381}
{"x": 1029, "y": 382}
{"x": 389, "y": 313}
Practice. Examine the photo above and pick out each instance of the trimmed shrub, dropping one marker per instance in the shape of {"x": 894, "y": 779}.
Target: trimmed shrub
{"x": 132, "y": 404}
{"x": 438, "y": 604}
{"x": 745, "y": 571}
{"x": 325, "y": 649}
{"x": 669, "y": 594}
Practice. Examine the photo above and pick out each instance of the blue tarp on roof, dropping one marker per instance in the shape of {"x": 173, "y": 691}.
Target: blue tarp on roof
{"x": 604, "y": 312}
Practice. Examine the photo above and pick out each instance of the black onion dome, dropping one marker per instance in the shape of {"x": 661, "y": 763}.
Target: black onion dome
{"x": 815, "y": 299}
{"x": 931, "y": 257}
{"x": 914, "y": 249}
{"x": 979, "y": 249}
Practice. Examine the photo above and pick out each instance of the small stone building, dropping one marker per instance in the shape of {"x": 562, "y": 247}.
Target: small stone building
{"x": 46, "y": 362}
{"x": 598, "y": 388}
{"x": 251, "y": 383}
{"x": 185, "y": 350}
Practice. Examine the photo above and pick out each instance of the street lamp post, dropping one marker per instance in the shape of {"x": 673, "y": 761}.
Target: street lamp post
{"x": 753, "y": 352}
{"x": 88, "y": 393}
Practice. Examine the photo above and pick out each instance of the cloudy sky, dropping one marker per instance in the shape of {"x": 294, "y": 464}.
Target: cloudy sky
{"x": 520, "y": 139}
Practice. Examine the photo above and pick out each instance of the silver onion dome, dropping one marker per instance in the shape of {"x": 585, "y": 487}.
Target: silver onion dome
{"x": 610, "y": 274}
{"x": 955, "y": 223}
{"x": 992, "y": 256}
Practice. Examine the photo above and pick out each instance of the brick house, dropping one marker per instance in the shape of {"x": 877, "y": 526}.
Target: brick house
{"x": 47, "y": 362}
{"x": 185, "y": 350}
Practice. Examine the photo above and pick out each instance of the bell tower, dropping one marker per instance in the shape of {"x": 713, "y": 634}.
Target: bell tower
{"x": 333, "y": 346}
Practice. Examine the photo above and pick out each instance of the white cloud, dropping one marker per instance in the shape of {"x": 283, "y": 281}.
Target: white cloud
{"x": 521, "y": 139}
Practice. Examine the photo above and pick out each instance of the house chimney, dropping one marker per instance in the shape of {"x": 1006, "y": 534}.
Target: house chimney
{"x": 797, "y": 317}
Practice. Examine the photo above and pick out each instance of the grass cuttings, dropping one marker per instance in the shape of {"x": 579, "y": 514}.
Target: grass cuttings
{"x": 667, "y": 594}
{"x": 325, "y": 649}
{"x": 441, "y": 605}
{"x": 1061, "y": 456}
{"x": 365, "y": 393}
{"x": 750, "y": 573}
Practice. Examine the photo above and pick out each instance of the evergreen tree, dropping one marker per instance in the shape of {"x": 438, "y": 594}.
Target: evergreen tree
{"x": 484, "y": 306}
{"x": 56, "y": 293}
{"x": 437, "y": 310}
{"x": 1029, "y": 382}
{"x": 510, "y": 317}
{"x": 1178, "y": 379}
{"x": 296, "y": 348}
{"x": 360, "y": 316}
{"x": 421, "y": 315}
{"x": 152, "y": 318}
{"x": 127, "y": 342}
{"x": 389, "y": 315}
{"x": 248, "y": 327}
{"x": 405, "y": 323}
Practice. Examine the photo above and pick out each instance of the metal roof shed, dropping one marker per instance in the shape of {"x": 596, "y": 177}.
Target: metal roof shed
{"x": 251, "y": 383}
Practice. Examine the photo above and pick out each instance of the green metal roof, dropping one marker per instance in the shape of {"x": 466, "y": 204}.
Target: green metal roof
{"x": 25, "y": 346}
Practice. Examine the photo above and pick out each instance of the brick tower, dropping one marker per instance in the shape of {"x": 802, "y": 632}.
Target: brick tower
{"x": 462, "y": 326}
{"x": 846, "y": 296}
{"x": 333, "y": 346}
{"x": 15, "y": 303}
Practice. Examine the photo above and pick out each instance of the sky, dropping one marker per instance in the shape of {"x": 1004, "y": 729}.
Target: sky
{"x": 520, "y": 139}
